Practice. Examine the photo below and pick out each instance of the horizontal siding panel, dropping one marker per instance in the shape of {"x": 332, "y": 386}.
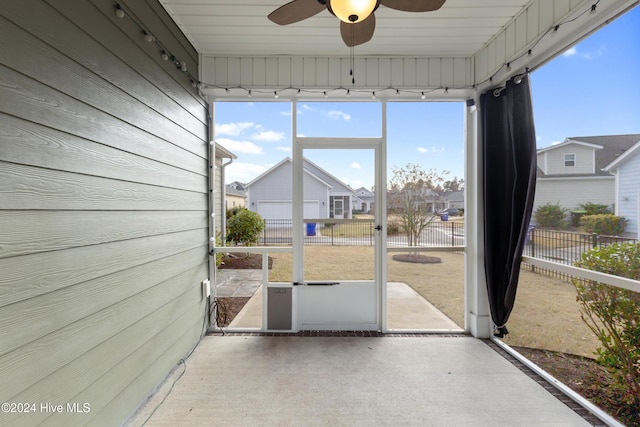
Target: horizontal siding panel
{"x": 154, "y": 368}
{"x": 32, "y": 101}
{"x": 570, "y": 194}
{"x": 73, "y": 79}
{"x": 84, "y": 370}
{"x": 64, "y": 346}
{"x": 27, "y": 320}
{"x": 176, "y": 43}
{"x": 27, "y": 187}
{"x": 29, "y": 232}
{"x": 59, "y": 269}
{"x": 31, "y": 144}
{"x": 108, "y": 30}
{"x": 156, "y": 89}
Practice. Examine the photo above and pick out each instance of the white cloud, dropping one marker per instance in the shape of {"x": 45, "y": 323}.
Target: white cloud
{"x": 430, "y": 150}
{"x": 556, "y": 142}
{"x": 243, "y": 172}
{"x": 355, "y": 165}
{"x": 232, "y": 129}
{"x": 285, "y": 149}
{"x": 240, "y": 146}
{"x": 268, "y": 135}
{"x": 306, "y": 107}
{"x": 573, "y": 51}
{"x": 335, "y": 114}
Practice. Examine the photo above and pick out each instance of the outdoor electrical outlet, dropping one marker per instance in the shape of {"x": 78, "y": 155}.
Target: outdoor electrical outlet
{"x": 206, "y": 288}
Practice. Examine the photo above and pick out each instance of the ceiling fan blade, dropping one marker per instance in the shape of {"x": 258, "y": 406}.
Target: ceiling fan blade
{"x": 296, "y": 11}
{"x": 414, "y": 5}
{"x": 355, "y": 34}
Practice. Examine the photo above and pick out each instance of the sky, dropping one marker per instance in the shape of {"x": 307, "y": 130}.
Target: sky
{"x": 591, "y": 89}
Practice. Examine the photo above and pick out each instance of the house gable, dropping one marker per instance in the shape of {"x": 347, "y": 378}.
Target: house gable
{"x": 568, "y": 158}
{"x": 592, "y": 155}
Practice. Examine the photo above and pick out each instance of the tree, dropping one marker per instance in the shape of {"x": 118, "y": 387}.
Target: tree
{"x": 412, "y": 196}
{"x": 453, "y": 185}
{"x": 244, "y": 227}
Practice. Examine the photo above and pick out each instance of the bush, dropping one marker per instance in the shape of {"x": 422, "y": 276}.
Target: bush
{"x": 609, "y": 225}
{"x": 595, "y": 209}
{"x": 613, "y": 314}
{"x": 394, "y": 228}
{"x": 244, "y": 227}
{"x": 550, "y": 216}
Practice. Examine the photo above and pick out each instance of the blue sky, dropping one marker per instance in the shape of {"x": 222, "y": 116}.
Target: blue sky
{"x": 589, "y": 90}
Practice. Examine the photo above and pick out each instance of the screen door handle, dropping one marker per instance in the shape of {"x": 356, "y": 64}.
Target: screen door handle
{"x": 378, "y": 227}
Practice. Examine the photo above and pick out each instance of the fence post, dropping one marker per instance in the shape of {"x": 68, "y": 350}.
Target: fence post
{"x": 453, "y": 229}
{"x": 264, "y": 233}
{"x": 594, "y": 240}
{"x": 532, "y": 239}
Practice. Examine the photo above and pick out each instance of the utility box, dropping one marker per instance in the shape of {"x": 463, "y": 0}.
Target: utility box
{"x": 279, "y": 307}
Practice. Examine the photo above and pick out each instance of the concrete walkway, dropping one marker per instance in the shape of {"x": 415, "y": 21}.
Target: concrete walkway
{"x": 351, "y": 381}
{"x": 406, "y": 309}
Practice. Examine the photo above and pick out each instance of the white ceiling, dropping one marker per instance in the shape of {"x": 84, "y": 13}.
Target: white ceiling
{"x": 241, "y": 28}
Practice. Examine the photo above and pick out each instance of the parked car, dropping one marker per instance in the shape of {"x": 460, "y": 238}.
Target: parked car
{"x": 451, "y": 212}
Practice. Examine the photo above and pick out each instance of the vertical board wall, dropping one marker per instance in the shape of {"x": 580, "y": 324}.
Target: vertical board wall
{"x": 103, "y": 207}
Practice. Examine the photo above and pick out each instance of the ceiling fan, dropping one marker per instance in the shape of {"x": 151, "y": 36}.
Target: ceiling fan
{"x": 357, "y": 21}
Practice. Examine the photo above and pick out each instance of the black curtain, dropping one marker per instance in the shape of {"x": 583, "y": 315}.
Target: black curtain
{"x": 509, "y": 156}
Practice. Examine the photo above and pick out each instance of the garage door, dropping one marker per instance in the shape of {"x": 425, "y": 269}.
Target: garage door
{"x": 282, "y": 210}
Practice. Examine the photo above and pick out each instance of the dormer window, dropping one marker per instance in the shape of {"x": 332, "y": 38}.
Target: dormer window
{"x": 569, "y": 160}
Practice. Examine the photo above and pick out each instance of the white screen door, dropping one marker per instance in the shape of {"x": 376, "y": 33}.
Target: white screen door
{"x": 337, "y": 263}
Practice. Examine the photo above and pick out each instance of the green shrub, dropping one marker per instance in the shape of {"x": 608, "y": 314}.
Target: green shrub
{"x": 595, "y": 209}
{"x": 609, "y": 225}
{"x": 613, "y": 314}
{"x": 394, "y": 228}
{"x": 244, "y": 227}
{"x": 219, "y": 255}
{"x": 550, "y": 215}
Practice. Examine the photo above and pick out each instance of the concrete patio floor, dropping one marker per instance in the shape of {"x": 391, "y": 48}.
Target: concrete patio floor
{"x": 242, "y": 380}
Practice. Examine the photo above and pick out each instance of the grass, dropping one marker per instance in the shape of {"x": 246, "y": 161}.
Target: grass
{"x": 545, "y": 316}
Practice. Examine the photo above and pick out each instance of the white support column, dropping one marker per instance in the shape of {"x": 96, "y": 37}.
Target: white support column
{"x": 477, "y": 314}
{"x": 297, "y": 214}
{"x": 380, "y": 206}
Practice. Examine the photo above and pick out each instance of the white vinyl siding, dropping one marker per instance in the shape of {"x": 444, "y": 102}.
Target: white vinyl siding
{"x": 276, "y": 186}
{"x": 628, "y": 192}
{"x": 555, "y": 163}
{"x": 570, "y": 193}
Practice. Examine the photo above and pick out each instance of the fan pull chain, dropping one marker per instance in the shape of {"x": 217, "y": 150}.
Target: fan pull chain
{"x": 353, "y": 77}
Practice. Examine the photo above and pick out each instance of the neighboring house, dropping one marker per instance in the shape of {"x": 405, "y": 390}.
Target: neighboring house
{"x": 429, "y": 198}
{"x": 235, "y": 195}
{"x": 325, "y": 196}
{"x": 626, "y": 169}
{"x": 453, "y": 199}
{"x": 573, "y": 172}
{"x": 364, "y": 200}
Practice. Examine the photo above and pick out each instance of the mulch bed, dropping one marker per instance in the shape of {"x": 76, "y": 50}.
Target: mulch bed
{"x": 587, "y": 378}
{"x": 244, "y": 261}
{"x": 417, "y": 259}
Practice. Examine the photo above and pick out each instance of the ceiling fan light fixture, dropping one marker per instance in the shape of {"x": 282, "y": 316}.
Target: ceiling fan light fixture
{"x": 352, "y": 11}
